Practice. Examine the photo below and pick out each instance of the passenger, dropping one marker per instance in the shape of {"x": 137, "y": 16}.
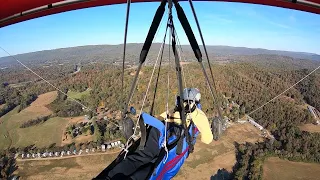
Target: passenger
{"x": 139, "y": 164}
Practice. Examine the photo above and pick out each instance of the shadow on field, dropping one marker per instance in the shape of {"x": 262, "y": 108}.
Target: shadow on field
{"x": 222, "y": 174}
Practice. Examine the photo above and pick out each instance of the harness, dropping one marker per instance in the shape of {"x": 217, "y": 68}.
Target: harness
{"x": 175, "y": 142}
{"x": 167, "y": 164}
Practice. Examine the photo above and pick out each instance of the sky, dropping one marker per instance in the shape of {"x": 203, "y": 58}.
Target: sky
{"x": 222, "y": 23}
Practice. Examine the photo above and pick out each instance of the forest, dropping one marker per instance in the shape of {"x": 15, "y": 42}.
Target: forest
{"x": 250, "y": 83}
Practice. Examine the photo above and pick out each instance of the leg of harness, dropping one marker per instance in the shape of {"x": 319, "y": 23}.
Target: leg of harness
{"x": 135, "y": 164}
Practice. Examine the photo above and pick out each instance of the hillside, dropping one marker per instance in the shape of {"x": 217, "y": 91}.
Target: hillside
{"x": 113, "y": 54}
{"x": 248, "y": 80}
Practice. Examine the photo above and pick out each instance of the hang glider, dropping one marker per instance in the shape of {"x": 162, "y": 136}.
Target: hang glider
{"x": 15, "y": 11}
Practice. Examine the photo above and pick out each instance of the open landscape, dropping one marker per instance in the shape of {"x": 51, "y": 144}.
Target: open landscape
{"x": 278, "y": 169}
{"x": 67, "y": 126}
{"x": 202, "y": 164}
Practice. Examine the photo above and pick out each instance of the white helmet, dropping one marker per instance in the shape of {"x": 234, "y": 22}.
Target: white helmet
{"x": 191, "y": 94}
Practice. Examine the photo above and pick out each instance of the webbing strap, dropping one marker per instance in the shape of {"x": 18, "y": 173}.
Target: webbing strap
{"x": 145, "y": 49}
{"x": 187, "y": 28}
{"x": 152, "y": 31}
{"x": 143, "y": 137}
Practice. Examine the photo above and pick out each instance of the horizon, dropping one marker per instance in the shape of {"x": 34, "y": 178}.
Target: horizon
{"x": 154, "y": 43}
{"x": 223, "y": 24}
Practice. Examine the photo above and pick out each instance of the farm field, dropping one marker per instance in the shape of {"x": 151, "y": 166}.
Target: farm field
{"x": 45, "y": 134}
{"x": 78, "y": 95}
{"x": 216, "y": 155}
{"x": 279, "y": 169}
{"x": 310, "y": 128}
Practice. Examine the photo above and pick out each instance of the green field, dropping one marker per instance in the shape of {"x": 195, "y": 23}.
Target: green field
{"x": 4, "y": 139}
{"x": 41, "y": 135}
{"x": 78, "y": 95}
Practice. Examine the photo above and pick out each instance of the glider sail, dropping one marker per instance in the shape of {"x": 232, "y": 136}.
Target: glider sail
{"x": 15, "y": 11}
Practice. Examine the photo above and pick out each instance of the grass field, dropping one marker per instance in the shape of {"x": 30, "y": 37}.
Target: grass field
{"x": 310, "y": 128}
{"x": 10, "y": 123}
{"x": 78, "y": 95}
{"x": 41, "y": 135}
{"x": 208, "y": 159}
{"x": 83, "y": 167}
{"x": 278, "y": 169}
{"x": 202, "y": 164}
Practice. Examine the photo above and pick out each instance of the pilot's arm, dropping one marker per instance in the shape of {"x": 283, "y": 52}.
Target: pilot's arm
{"x": 201, "y": 121}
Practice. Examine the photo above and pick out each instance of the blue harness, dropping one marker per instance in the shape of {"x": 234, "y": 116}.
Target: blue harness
{"x": 169, "y": 165}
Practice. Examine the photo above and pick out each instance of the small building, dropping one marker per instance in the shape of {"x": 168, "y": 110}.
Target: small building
{"x": 22, "y": 155}
{"x": 113, "y": 144}
{"x": 87, "y": 150}
{"x": 33, "y": 155}
{"x": 62, "y": 153}
{"x": 28, "y": 155}
{"x": 39, "y": 155}
{"x": 56, "y": 154}
{"x": 68, "y": 153}
{"x": 93, "y": 149}
{"x": 109, "y": 146}
{"x": 103, "y": 147}
{"x": 80, "y": 152}
{"x": 256, "y": 124}
{"x": 50, "y": 154}
{"x": 74, "y": 152}
{"x": 86, "y": 118}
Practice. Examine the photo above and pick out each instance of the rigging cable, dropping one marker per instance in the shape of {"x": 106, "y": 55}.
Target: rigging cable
{"x": 125, "y": 45}
{"x": 285, "y": 90}
{"x": 214, "y": 95}
{"x": 146, "y": 94}
{"x": 139, "y": 67}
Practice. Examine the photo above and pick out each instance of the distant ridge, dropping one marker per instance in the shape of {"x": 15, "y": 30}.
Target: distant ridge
{"x": 113, "y": 53}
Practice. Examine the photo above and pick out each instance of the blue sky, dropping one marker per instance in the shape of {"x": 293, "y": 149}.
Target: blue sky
{"x": 233, "y": 24}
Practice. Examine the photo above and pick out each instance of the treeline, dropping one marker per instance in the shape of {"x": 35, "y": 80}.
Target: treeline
{"x": 36, "y": 121}
{"x": 297, "y": 146}
{"x": 12, "y": 98}
{"x": 105, "y": 131}
{"x": 63, "y": 107}
{"x": 79, "y": 129}
{"x": 7, "y": 165}
{"x": 6, "y": 108}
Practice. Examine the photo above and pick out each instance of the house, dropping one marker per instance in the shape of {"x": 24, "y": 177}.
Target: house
{"x": 103, "y": 147}
{"x": 62, "y": 153}
{"x": 255, "y": 124}
{"x": 39, "y": 155}
{"x": 80, "y": 152}
{"x": 50, "y": 154}
{"x": 74, "y": 152}
{"x": 33, "y": 155}
{"x": 28, "y": 155}
{"x": 56, "y": 154}
{"x": 93, "y": 149}
{"x": 87, "y": 150}
{"x": 22, "y": 155}
{"x": 68, "y": 153}
{"x": 109, "y": 146}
